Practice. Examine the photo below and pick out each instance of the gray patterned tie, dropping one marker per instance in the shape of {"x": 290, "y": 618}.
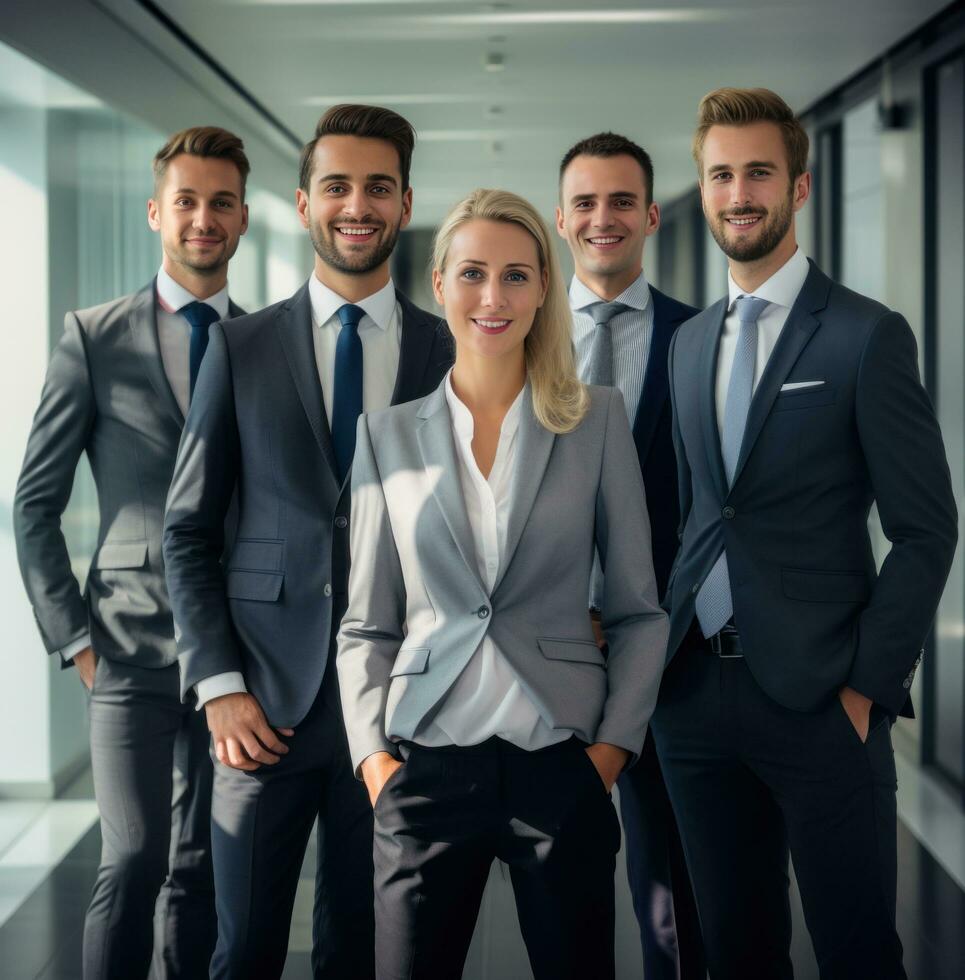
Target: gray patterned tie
{"x": 714, "y": 605}
{"x": 601, "y": 351}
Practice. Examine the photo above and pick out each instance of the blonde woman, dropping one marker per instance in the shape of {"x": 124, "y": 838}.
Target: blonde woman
{"x": 480, "y": 713}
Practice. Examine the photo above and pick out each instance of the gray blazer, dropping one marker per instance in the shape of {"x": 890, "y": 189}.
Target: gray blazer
{"x": 106, "y": 394}
{"x": 418, "y": 610}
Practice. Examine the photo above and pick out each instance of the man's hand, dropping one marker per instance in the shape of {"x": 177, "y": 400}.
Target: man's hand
{"x": 86, "y": 664}
{"x": 376, "y": 770}
{"x": 243, "y": 739}
{"x": 858, "y": 708}
{"x": 609, "y": 761}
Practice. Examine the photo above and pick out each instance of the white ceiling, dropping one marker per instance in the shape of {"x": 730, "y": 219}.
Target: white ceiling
{"x": 572, "y": 68}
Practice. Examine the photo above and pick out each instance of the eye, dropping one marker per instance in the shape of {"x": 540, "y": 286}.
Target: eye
{"x": 582, "y": 205}
{"x": 516, "y": 276}
{"x": 760, "y": 173}
{"x": 183, "y": 202}
{"x": 720, "y": 175}
{"x": 379, "y": 189}
{"x": 224, "y": 204}
{"x": 335, "y": 189}
{"x": 471, "y": 275}
{"x": 624, "y": 202}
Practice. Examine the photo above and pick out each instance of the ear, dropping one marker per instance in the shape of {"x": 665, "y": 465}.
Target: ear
{"x": 560, "y": 224}
{"x": 653, "y": 219}
{"x": 153, "y": 215}
{"x": 437, "y": 287}
{"x": 544, "y": 282}
{"x": 406, "y": 208}
{"x": 802, "y": 190}
{"x": 244, "y": 219}
{"x": 301, "y": 207}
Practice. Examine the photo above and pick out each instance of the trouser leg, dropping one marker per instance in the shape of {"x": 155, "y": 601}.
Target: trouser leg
{"x": 560, "y": 838}
{"x": 732, "y": 829}
{"x": 185, "y": 926}
{"x": 659, "y": 883}
{"x": 134, "y": 721}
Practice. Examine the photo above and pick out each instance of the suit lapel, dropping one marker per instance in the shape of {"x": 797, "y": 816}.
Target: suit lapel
{"x": 143, "y": 325}
{"x": 707, "y": 382}
{"x": 417, "y": 335}
{"x": 294, "y": 325}
{"x": 656, "y": 382}
{"x": 439, "y": 457}
{"x": 800, "y": 325}
{"x": 533, "y": 448}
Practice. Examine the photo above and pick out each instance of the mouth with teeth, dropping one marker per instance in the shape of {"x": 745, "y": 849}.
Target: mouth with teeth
{"x": 744, "y": 222}
{"x": 491, "y": 326}
{"x": 357, "y": 234}
{"x": 604, "y": 242}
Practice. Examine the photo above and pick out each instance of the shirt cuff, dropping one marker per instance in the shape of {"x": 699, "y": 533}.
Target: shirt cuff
{"x": 230, "y": 682}
{"x": 70, "y": 651}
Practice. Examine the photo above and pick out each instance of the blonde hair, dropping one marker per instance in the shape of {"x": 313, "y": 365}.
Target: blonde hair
{"x": 559, "y": 400}
{"x": 743, "y": 106}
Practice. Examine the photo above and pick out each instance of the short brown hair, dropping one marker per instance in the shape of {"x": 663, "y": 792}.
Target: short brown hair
{"x": 368, "y": 122}
{"x": 611, "y": 145}
{"x": 743, "y": 106}
{"x": 203, "y": 141}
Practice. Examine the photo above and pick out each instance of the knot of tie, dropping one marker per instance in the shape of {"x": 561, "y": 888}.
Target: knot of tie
{"x": 603, "y": 313}
{"x": 200, "y": 316}
{"x": 350, "y": 315}
{"x": 749, "y": 308}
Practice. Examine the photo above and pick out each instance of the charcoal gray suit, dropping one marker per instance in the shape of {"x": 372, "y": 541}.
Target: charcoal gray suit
{"x": 758, "y": 753}
{"x": 258, "y": 425}
{"x": 107, "y": 395}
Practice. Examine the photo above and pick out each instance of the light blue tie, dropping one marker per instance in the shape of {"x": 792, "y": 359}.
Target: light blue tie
{"x": 714, "y": 605}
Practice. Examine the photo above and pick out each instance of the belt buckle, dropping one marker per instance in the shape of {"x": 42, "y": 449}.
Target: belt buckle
{"x": 717, "y": 646}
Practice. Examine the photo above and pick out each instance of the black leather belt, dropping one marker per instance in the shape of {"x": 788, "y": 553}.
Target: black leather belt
{"x": 726, "y": 644}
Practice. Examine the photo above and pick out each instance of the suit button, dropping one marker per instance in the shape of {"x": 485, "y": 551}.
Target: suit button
{"x": 695, "y": 589}
{"x": 341, "y": 521}
{"x": 728, "y": 513}
{"x": 327, "y": 590}
{"x": 482, "y": 612}
{"x": 907, "y": 684}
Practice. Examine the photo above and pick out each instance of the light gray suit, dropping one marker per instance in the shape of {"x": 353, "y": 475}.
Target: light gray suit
{"x": 107, "y": 395}
{"x": 418, "y": 610}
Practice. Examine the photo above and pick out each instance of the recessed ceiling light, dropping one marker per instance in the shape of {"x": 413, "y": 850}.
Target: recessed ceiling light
{"x": 494, "y": 61}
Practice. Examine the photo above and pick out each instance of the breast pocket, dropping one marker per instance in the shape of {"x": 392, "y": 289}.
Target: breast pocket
{"x": 804, "y": 398}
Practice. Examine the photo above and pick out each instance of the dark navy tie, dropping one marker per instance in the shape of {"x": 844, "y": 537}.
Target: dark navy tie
{"x": 348, "y": 387}
{"x": 200, "y": 316}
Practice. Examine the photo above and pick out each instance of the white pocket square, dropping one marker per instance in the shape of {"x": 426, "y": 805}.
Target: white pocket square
{"x": 798, "y": 385}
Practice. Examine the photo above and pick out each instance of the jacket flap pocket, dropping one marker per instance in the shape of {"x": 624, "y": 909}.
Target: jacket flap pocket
{"x": 811, "y": 586}
{"x": 259, "y": 586}
{"x": 260, "y": 554}
{"x": 581, "y": 651}
{"x": 411, "y": 660}
{"x": 127, "y": 554}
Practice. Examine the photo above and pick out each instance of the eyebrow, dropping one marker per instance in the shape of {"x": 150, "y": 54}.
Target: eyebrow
{"x": 387, "y": 178}
{"x": 718, "y": 167}
{"x": 509, "y": 265}
{"x": 577, "y": 198}
{"x": 191, "y": 190}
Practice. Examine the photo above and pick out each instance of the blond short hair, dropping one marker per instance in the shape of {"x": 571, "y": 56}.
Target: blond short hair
{"x": 559, "y": 399}
{"x": 743, "y": 106}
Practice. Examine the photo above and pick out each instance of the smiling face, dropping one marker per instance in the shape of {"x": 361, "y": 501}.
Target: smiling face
{"x": 355, "y": 206}
{"x": 199, "y": 211}
{"x": 605, "y": 218}
{"x": 491, "y": 288}
{"x": 748, "y": 196}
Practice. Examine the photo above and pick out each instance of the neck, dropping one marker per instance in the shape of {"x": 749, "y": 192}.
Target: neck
{"x": 608, "y": 287}
{"x": 351, "y": 288}
{"x": 488, "y": 386}
{"x": 750, "y": 275}
{"x": 200, "y": 285}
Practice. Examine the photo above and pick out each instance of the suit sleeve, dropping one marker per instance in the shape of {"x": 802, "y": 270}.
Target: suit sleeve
{"x": 371, "y": 631}
{"x": 205, "y": 476}
{"x": 59, "y": 435}
{"x": 684, "y": 487}
{"x": 909, "y": 473}
{"x": 635, "y": 626}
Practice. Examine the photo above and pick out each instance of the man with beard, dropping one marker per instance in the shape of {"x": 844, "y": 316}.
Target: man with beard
{"x": 797, "y": 404}
{"x": 118, "y": 388}
{"x": 622, "y": 328}
{"x": 274, "y": 421}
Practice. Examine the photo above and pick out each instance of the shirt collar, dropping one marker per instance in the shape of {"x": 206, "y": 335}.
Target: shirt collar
{"x": 379, "y": 307}
{"x": 172, "y": 296}
{"x": 636, "y": 295}
{"x": 462, "y": 421}
{"x": 781, "y": 289}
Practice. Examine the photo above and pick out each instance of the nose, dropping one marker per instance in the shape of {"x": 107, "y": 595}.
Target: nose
{"x": 493, "y": 295}
{"x": 602, "y": 216}
{"x": 203, "y": 217}
{"x": 355, "y": 204}
{"x": 739, "y": 191}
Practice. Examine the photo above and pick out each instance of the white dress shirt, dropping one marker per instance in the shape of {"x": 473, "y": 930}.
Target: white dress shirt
{"x": 174, "y": 339}
{"x": 487, "y": 698}
{"x": 380, "y": 331}
{"x": 781, "y": 290}
{"x": 632, "y": 333}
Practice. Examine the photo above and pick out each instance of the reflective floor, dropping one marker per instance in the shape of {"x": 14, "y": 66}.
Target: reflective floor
{"x": 49, "y": 852}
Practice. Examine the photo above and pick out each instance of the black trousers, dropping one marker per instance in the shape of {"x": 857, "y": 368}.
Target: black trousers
{"x": 751, "y": 781}
{"x": 448, "y": 813}
{"x": 152, "y": 779}
{"x": 261, "y": 822}
{"x": 663, "y": 899}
